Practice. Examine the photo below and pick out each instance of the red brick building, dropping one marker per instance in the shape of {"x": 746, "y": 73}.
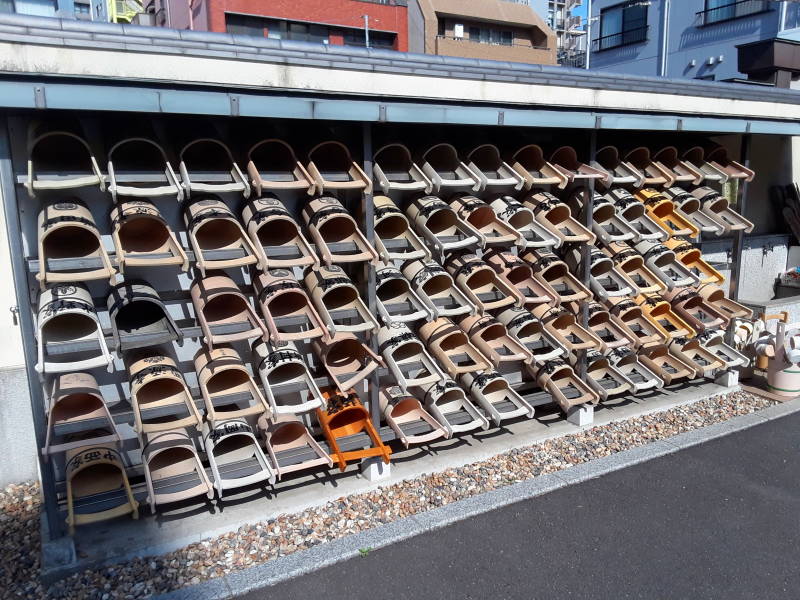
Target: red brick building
{"x": 338, "y": 22}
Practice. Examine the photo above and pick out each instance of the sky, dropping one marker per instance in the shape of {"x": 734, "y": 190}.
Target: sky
{"x": 580, "y": 10}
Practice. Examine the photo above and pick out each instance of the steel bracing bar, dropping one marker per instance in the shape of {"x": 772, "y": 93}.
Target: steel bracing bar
{"x": 586, "y": 270}
{"x": 738, "y": 238}
{"x": 55, "y": 524}
{"x": 368, "y": 210}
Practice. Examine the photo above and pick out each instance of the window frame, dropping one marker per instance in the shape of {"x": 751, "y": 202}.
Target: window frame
{"x": 732, "y": 4}
{"x": 597, "y": 44}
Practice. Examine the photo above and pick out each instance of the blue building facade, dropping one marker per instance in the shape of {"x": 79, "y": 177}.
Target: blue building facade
{"x": 695, "y": 39}
{"x": 86, "y": 10}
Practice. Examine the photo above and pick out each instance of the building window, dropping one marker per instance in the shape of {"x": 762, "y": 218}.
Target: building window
{"x": 83, "y": 12}
{"x": 306, "y": 32}
{"x": 792, "y": 20}
{"x": 496, "y": 37}
{"x": 279, "y": 29}
{"x": 244, "y": 25}
{"x": 6, "y": 6}
{"x": 621, "y": 25}
{"x": 717, "y": 11}
{"x": 276, "y": 29}
{"x": 377, "y": 39}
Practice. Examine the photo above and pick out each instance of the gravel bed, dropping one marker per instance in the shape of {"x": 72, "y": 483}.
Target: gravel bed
{"x": 256, "y": 544}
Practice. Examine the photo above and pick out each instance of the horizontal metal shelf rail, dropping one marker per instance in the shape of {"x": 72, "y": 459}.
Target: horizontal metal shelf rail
{"x": 72, "y": 264}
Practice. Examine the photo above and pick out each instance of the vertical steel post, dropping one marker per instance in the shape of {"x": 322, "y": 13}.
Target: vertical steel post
{"x": 27, "y": 327}
{"x": 588, "y": 191}
{"x": 738, "y": 238}
{"x": 368, "y": 210}
{"x": 588, "y": 34}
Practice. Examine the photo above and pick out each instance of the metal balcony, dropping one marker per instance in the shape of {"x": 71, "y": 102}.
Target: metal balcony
{"x": 734, "y": 10}
{"x": 623, "y": 38}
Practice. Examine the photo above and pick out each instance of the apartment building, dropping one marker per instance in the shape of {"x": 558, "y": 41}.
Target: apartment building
{"x": 114, "y": 11}
{"x": 382, "y": 23}
{"x": 568, "y": 27}
{"x": 716, "y": 40}
{"x": 490, "y": 29}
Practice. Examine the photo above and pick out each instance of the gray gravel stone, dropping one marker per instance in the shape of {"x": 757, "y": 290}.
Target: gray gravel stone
{"x": 260, "y": 543}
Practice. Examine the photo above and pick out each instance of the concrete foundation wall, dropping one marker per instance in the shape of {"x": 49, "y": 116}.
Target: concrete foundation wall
{"x": 19, "y": 462}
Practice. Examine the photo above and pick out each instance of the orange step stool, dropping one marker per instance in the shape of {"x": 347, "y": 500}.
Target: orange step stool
{"x": 345, "y": 415}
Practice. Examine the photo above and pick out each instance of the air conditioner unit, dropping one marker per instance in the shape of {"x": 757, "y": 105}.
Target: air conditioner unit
{"x": 148, "y": 19}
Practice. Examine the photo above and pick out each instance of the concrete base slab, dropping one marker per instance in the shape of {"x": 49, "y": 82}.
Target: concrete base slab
{"x": 771, "y": 395}
{"x": 178, "y": 526}
{"x": 58, "y": 559}
{"x": 374, "y": 469}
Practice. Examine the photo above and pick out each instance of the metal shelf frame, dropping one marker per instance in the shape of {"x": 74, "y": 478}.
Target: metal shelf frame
{"x": 364, "y": 115}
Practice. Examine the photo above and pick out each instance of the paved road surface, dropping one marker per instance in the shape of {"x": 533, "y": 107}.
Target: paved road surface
{"x": 720, "y": 520}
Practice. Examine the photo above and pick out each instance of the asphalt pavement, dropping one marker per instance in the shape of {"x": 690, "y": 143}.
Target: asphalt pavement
{"x": 720, "y": 520}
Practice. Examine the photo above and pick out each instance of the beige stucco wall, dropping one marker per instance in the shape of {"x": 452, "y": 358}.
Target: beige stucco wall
{"x": 517, "y": 17}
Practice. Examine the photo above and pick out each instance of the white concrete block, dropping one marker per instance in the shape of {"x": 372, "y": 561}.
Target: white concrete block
{"x": 581, "y": 415}
{"x": 19, "y": 462}
{"x": 374, "y": 469}
{"x": 729, "y": 378}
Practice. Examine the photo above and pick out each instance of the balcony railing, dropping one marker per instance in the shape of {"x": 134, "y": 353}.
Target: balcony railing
{"x": 508, "y": 45}
{"x": 576, "y": 60}
{"x": 623, "y": 38}
{"x": 734, "y": 10}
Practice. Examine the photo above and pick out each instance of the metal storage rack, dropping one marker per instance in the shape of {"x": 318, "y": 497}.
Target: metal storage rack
{"x": 22, "y": 210}
{"x": 19, "y": 219}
